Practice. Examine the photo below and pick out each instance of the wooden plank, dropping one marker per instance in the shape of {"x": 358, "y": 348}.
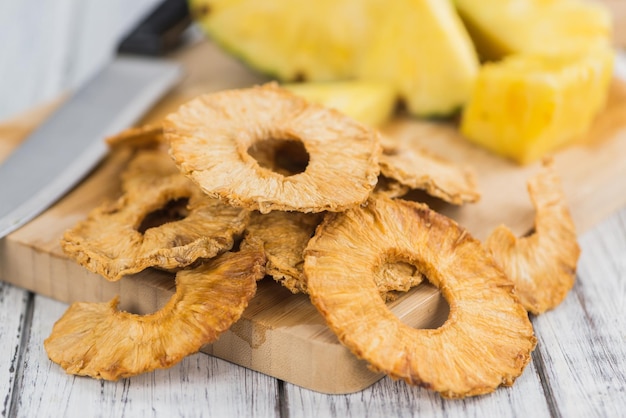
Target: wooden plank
{"x": 395, "y": 398}
{"x": 581, "y": 346}
{"x": 279, "y": 328}
{"x": 198, "y": 386}
{"x": 14, "y": 321}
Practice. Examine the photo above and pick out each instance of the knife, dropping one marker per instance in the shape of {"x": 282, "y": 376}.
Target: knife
{"x": 64, "y": 149}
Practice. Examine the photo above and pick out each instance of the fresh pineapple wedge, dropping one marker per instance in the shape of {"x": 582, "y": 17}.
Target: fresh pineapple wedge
{"x": 419, "y": 47}
{"x": 503, "y": 27}
{"x": 422, "y": 48}
{"x": 291, "y": 40}
{"x": 528, "y": 105}
{"x": 368, "y": 102}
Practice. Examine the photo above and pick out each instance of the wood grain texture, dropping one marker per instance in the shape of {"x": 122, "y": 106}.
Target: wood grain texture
{"x": 14, "y": 322}
{"x": 582, "y": 343}
{"x": 395, "y": 398}
{"x": 279, "y": 330}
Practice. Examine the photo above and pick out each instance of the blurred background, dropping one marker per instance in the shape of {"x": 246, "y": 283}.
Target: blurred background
{"x": 48, "y": 47}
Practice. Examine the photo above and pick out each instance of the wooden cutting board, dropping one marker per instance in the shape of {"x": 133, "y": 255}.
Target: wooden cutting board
{"x": 282, "y": 334}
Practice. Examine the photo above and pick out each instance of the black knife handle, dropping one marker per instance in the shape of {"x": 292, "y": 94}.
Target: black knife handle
{"x": 160, "y": 32}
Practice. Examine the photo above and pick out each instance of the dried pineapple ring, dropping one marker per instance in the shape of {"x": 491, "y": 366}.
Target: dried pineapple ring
{"x": 137, "y": 137}
{"x": 542, "y": 265}
{"x": 284, "y": 235}
{"x": 487, "y": 339}
{"x": 112, "y": 240}
{"x": 210, "y": 138}
{"x": 412, "y": 166}
{"x": 97, "y": 340}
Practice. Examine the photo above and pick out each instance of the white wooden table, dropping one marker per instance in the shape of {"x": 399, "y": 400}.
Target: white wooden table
{"x": 578, "y": 368}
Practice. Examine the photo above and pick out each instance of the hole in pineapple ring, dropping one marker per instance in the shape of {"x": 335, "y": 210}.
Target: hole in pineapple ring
{"x": 138, "y": 299}
{"x": 404, "y": 286}
{"x": 283, "y": 156}
{"x": 173, "y": 210}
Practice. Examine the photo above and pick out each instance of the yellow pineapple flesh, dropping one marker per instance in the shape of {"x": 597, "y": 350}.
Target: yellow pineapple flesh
{"x": 528, "y": 105}
{"x": 420, "y": 47}
{"x": 368, "y": 102}
{"x": 503, "y": 27}
{"x": 423, "y": 50}
{"x": 291, "y": 40}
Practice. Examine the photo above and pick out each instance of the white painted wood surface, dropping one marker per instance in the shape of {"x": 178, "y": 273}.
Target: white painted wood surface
{"x": 578, "y": 368}
{"x": 13, "y": 321}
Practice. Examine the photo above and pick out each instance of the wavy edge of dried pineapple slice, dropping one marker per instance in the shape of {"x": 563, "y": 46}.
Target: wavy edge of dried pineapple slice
{"x": 485, "y": 342}
{"x": 285, "y": 236}
{"x": 413, "y": 166}
{"x": 98, "y": 340}
{"x": 542, "y": 265}
{"x": 210, "y": 138}
{"x": 137, "y": 137}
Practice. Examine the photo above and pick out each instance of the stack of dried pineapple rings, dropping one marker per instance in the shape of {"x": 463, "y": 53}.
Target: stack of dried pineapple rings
{"x": 259, "y": 182}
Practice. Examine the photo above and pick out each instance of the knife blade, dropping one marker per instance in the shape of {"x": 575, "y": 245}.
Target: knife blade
{"x": 66, "y": 147}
